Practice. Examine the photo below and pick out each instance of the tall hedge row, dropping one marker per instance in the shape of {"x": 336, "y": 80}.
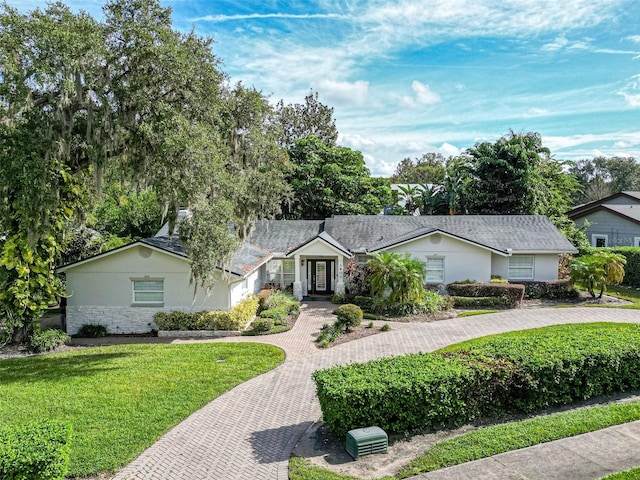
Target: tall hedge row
{"x": 35, "y": 452}
{"x": 632, "y": 268}
{"x": 517, "y": 371}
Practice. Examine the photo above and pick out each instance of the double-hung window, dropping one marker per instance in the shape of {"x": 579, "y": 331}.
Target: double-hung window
{"x": 148, "y": 291}
{"x": 435, "y": 270}
{"x": 521, "y": 267}
{"x": 281, "y": 272}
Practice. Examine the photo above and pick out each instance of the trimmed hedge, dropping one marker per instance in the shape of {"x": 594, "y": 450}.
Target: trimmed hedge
{"x": 235, "y": 319}
{"x": 431, "y": 302}
{"x": 478, "y": 302}
{"x": 557, "y": 289}
{"x": 517, "y": 371}
{"x": 35, "y": 452}
{"x": 405, "y": 393}
{"x": 513, "y": 293}
{"x": 557, "y": 365}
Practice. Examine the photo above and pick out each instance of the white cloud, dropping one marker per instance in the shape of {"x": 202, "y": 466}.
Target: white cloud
{"x": 449, "y": 150}
{"x": 634, "y": 38}
{"x": 261, "y": 16}
{"x": 355, "y": 141}
{"x": 536, "y": 112}
{"x": 633, "y": 100}
{"x": 424, "y": 95}
{"x": 557, "y": 44}
{"x": 345, "y": 93}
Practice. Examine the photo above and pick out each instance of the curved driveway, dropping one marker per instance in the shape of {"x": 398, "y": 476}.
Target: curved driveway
{"x": 250, "y": 431}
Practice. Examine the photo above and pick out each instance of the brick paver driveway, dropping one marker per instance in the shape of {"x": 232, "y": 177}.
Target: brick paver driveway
{"x": 250, "y": 431}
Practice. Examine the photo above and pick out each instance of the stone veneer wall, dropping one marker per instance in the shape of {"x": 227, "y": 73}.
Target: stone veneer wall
{"x": 116, "y": 319}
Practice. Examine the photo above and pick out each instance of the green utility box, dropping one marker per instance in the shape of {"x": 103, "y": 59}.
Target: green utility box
{"x": 365, "y": 441}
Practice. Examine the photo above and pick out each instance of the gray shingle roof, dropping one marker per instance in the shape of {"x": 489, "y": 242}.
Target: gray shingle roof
{"x": 631, "y": 211}
{"x": 282, "y": 236}
{"x": 244, "y": 261}
{"x": 533, "y": 233}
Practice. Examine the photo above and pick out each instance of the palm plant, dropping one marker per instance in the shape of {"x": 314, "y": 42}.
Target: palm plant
{"x": 402, "y": 275}
{"x": 596, "y": 271}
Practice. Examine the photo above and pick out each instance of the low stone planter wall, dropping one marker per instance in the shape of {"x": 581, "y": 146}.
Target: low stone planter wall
{"x": 198, "y": 333}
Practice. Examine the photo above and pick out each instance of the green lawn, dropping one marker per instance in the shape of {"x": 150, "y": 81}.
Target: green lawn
{"x": 121, "y": 399}
{"x": 633, "y": 474}
{"x": 473, "y": 313}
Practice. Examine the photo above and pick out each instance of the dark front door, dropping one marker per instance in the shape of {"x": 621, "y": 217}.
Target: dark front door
{"x": 321, "y": 277}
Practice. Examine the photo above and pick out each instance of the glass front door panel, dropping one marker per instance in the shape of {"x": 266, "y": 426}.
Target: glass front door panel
{"x": 321, "y": 276}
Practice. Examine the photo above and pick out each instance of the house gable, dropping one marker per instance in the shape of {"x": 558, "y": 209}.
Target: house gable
{"x": 459, "y": 258}
{"x": 320, "y": 246}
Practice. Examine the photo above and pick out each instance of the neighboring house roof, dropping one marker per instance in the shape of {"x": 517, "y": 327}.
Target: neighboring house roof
{"x": 581, "y": 210}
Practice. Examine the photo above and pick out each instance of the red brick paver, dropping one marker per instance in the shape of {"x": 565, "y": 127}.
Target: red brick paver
{"x": 250, "y": 431}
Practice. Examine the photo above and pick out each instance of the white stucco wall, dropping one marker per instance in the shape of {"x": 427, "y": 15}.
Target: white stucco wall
{"x": 545, "y": 267}
{"x": 461, "y": 260}
{"x": 100, "y": 291}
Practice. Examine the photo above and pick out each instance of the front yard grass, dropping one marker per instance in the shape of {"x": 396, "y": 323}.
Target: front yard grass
{"x": 121, "y": 399}
{"x": 496, "y": 439}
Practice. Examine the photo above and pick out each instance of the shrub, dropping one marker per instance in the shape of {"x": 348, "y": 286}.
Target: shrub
{"x": 92, "y": 330}
{"x": 517, "y": 371}
{"x": 498, "y": 279}
{"x": 262, "y": 325}
{"x": 349, "y": 315}
{"x": 431, "y": 302}
{"x": 557, "y": 289}
{"x": 479, "y": 302}
{"x": 235, "y": 319}
{"x": 513, "y": 292}
{"x": 385, "y": 328}
{"x": 263, "y": 296}
{"x": 337, "y": 299}
{"x": 402, "y": 394}
{"x": 35, "y": 452}
{"x": 283, "y": 300}
{"x": 46, "y": 340}
{"x": 362, "y": 301}
{"x": 370, "y": 325}
{"x": 370, "y": 316}
{"x": 278, "y": 315}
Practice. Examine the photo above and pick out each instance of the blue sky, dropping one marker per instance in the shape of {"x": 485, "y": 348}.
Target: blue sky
{"x": 415, "y": 76}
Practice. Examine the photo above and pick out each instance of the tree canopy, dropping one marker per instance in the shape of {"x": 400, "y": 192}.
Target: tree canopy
{"x": 428, "y": 169}
{"x": 309, "y": 118}
{"x": 128, "y": 93}
{"x": 330, "y": 180}
{"x": 601, "y": 176}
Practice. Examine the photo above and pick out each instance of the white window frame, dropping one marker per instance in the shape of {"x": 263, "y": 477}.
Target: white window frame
{"x": 283, "y": 274}
{"x": 430, "y": 278}
{"x": 599, "y": 236}
{"x": 636, "y": 241}
{"x": 160, "y": 290}
{"x": 362, "y": 258}
{"x": 522, "y": 267}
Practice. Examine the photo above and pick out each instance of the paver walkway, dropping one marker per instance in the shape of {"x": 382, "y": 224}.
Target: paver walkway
{"x": 250, "y": 431}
